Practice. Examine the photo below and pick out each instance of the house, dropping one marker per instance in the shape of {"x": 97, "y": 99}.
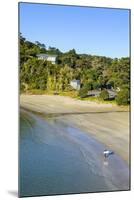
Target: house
{"x": 96, "y": 93}
{"x": 75, "y": 84}
{"x": 48, "y": 57}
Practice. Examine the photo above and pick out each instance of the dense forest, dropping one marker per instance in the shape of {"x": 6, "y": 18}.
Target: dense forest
{"x": 93, "y": 71}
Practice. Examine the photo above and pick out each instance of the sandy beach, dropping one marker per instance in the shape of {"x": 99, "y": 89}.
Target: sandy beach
{"x": 107, "y": 123}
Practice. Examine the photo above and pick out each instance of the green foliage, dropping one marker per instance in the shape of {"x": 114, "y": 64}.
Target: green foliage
{"x": 104, "y": 95}
{"x": 83, "y": 92}
{"x": 123, "y": 97}
{"x": 93, "y": 71}
{"x": 95, "y": 85}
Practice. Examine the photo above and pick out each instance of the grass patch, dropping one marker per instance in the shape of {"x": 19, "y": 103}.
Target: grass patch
{"x": 37, "y": 92}
{"x": 73, "y": 94}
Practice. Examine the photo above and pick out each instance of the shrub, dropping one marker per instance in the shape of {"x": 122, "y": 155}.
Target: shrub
{"x": 96, "y": 85}
{"x": 22, "y": 88}
{"x": 83, "y": 92}
{"x": 104, "y": 95}
{"x": 123, "y": 97}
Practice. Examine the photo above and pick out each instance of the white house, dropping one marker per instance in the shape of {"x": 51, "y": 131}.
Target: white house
{"x": 75, "y": 84}
{"x": 48, "y": 57}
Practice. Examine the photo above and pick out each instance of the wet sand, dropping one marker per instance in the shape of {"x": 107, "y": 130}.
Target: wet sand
{"x": 107, "y": 123}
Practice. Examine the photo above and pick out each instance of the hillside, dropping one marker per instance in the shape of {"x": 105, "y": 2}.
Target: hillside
{"x": 93, "y": 71}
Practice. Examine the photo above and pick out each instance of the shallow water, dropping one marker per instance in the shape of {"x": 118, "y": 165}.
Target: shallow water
{"x": 58, "y": 159}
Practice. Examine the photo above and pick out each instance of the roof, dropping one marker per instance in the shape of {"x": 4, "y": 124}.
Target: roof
{"x": 76, "y": 81}
{"x": 112, "y": 92}
{"x": 94, "y": 92}
{"x": 97, "y": 92}
{"x": 46, "y": 55}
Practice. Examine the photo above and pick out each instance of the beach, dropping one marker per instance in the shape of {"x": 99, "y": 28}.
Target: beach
{"x": 107, "y": 123}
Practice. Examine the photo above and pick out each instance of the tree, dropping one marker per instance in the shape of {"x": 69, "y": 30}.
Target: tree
{"x": 41, "y": 45}
{"x": 93, "y": 71}
{"x": 83, "y": 92}
{"x": 123, "y": 97}
{"x": 53, "y": 50}
{"x": 104, "y": 95}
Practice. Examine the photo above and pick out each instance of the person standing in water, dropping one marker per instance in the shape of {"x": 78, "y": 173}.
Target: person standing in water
{"x": 106, "y": 153}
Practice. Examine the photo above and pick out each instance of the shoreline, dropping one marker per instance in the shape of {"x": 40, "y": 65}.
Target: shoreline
{"x": 109, "y": 124}
{"x": 63, "y": 143}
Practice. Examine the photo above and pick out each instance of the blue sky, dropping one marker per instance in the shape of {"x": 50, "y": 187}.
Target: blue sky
{"x": 95, "y": 31}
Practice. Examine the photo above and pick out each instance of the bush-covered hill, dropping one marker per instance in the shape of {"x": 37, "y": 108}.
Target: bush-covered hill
{"x": 93, "y": 71}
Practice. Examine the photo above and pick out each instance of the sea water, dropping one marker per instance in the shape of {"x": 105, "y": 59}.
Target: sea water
{"x": 55, "y": 158}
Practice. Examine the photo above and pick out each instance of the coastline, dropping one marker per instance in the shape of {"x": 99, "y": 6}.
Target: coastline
{"x": 107, "y": 123}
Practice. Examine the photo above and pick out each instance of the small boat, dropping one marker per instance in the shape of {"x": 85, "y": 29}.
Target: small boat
{"x": 107, "y": 153}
